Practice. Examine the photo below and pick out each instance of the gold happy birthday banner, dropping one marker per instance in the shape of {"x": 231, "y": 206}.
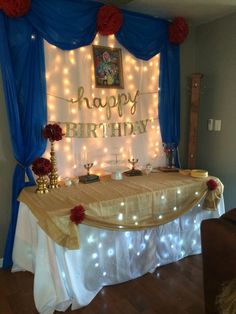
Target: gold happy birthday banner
{"x": 94, "y": 130}
{"x": 116, "y": 129}
{"x": 118, "y": 102}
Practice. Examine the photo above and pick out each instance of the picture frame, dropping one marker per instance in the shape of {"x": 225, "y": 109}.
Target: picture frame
{"x": 108, "y": 70}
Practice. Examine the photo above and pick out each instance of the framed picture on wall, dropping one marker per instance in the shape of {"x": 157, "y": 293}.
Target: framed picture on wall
{"x": 108, "y": 70}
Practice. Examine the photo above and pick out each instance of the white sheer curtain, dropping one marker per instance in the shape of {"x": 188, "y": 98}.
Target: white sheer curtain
{"x": 68, "y": 70}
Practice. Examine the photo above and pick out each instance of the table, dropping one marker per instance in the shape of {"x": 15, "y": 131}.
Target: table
{"x": 64, "y": 277}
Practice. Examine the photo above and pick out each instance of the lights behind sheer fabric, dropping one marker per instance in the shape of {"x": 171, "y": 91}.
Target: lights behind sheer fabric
{"x": 65, "y": 72}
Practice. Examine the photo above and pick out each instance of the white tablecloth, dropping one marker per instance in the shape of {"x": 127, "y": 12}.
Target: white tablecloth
{"x": 64, "y": 277}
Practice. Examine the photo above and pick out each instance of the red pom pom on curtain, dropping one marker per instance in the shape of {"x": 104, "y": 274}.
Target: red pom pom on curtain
{"x": 178, "y": 30}
{"x": 109, "y": 20}
{"x": 15, "y": 8}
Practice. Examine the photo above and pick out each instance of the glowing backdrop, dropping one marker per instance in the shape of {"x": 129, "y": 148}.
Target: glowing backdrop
{"x": 102, "y": 134}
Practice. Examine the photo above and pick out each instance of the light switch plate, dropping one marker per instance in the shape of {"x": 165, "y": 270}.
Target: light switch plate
{"x": 217, "y": 125}
{"x": 210, "y": 124}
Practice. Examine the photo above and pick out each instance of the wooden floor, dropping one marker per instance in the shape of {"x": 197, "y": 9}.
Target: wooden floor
{"x": 173, "y": 289}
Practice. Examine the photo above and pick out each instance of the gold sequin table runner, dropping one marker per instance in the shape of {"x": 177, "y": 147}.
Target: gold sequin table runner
{"x": 129, "y": 204}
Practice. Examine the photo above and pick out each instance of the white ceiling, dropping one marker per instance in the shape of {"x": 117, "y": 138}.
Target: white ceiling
{"x": 194, "y": 11}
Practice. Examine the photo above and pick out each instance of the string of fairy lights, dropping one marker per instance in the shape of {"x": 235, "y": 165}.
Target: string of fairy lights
{"x": 65, "y": 72}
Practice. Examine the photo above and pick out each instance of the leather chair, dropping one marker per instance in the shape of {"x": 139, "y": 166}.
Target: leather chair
{"x": 218, "y": 237}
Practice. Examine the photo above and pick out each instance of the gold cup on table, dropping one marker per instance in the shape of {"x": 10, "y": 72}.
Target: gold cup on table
{"x": 133, "y": 162}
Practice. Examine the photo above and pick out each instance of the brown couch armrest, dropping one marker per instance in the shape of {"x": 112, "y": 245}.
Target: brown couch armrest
{"x": 218, "y": 238}
{"x": 230, "y": 215}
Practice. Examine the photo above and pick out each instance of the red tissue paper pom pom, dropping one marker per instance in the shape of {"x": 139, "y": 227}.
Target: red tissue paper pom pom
{"x": 53, "y": 132}
{"x": 109, "y": 20}
{"x": 178, "y": 30}
{"x": 77, "y": 214}
{"x": 41, "y": 166}
{"x": 212, "y": 185}
{"x": 15, "y": 8}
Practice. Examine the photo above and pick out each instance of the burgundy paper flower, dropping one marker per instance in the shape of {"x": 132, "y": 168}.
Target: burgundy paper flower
{"x": 212, "y": 185}
{"x": 77, "y": 214}
{"x": 41, "y": 166}
{"x": 15, "y": 8}
{"x": 53, "y": 132}
{"x": 178, "y": 30}
{"x": 109, "y": 20}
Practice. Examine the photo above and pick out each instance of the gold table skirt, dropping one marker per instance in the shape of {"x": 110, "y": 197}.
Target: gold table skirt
{"x": 130, "y": 204}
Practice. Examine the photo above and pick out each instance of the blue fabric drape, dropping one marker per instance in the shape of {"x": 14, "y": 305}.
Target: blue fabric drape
{"x": 69, "y": 24}
{"x": 169, "y": 97}
{"x": 22, "y": 65}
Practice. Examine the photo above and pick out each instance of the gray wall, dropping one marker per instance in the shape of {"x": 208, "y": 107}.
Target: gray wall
{"x": 6, "y": 170}
{"x": 216, "y": 59}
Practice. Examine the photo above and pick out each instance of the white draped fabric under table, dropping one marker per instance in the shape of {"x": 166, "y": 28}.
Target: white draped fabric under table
{"x": 64, "y": 277}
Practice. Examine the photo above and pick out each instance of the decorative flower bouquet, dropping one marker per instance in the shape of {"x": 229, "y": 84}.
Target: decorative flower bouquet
{"x": 41, "y": 167}
{"x": 53, "y": 132}
{"x": 212, "y": 185}
{"x": 77, "y": 214}
{"x": 170, "y": 155}
{"x": 213, "y": 195}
